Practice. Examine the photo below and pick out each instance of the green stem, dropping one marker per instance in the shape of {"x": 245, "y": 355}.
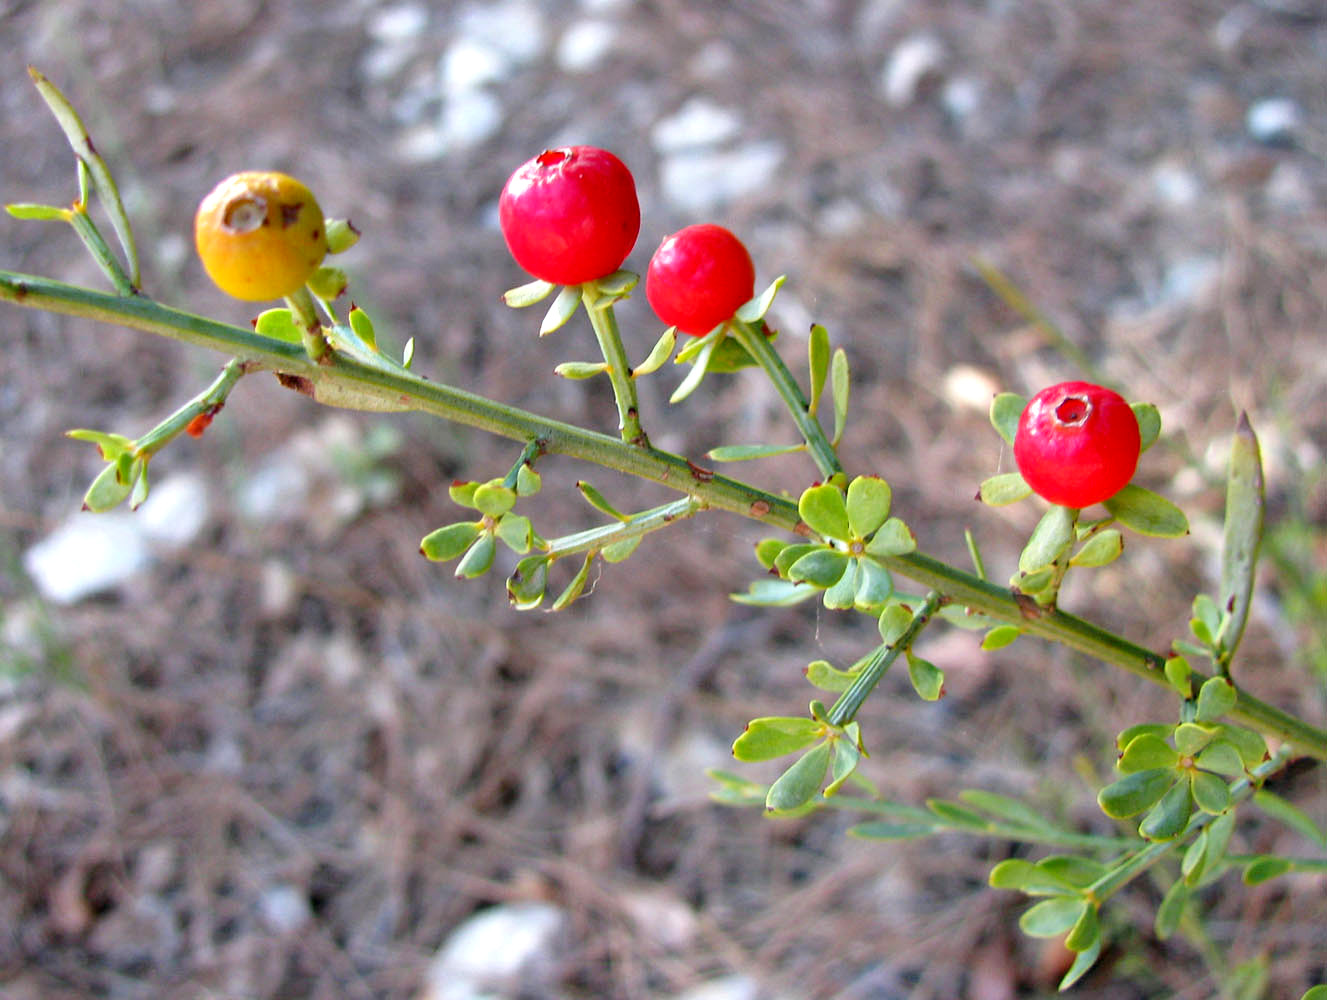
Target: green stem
{"x": 529, "y": 453}
{"x": 599, "y": 307}
{"x": 403, "y": 389}
{"x": 306, "y": 318}
{"x": 635, "y": 526}
{"x": 756, "y": 344}
{"x": 845, "y": 709}
{"x": 100, "y": 249}
{"x": 209, "y": 400}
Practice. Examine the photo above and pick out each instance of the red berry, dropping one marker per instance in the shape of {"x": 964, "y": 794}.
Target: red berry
{"x": 699, "y": 277}
{"x": 570, "y": 215}
{"x": 1077, "y": 444}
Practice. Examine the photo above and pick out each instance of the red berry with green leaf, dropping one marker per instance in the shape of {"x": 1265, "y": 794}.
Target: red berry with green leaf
{"x": 699, "y": 277}
{"x": 1077, "y": 444}
{"x": 570, "y": 215}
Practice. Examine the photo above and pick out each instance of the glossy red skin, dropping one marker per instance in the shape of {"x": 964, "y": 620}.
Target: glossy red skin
{"x": 1077, "y": 444}
{"x": 699, "y": 277}
{"x": 570, "y": 215}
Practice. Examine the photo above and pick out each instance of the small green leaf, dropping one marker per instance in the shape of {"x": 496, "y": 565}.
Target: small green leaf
{"x": 1071, "y": 870}
{"x": 868, "y": 504}
{"x": 735, "y": 790}
{"x": 775, "y": 736}
{"x": 1178, "y": 673}
{"x": 40, "y": 213}
{"x": 576, "y": 587}
{"x": 493, "y": 498}
{"x": 894, "y": 621}
{"x": 341, "y": 235}
{"x": 1169, "y": 817}
{"x": 928, "y": 680}
{"x": 450, "y": 541}
{"x": 1315, "y": 993}
{"x": 1171, "y": 910}
{"x": 842, "y": 595}
{"x": 525, "y": 586}
{"x": 1082, "y": 965}
{"x": 1003, "y": 489}
{"x": 1191, "y": 738}
{"x": 1101, "y": 549}
{"x": 659, "y": 354}
{"x": 800, "y": 783}
{"x": 580, "y": 370}
{"x": 463, "y": 493}
{"x": 528, "y": 294}
{"x": 1210, "y": 792}
{"x": 768, "y": 549}
{"x": 1127, "y": 736}
{"x": 328, "y": 283}
{"x": 528, "y": 482}
{"x": 1265, "y": 868}
{"x": 754, "y": 311}
{"x": 108, "y": 490}
{"x": 516, "y": 532}
{"x": 408, "y": 354}
{"x": 111, "y": 446}
{"x": 1086, "y": 932}
{"x": 1138, "y": 791}
{"x": 1052, "y": 917}
{"x": 747, "y": 452}
{"x": 818, "y": 362}
{"x": 820, "y": 568}
{"x": 698, "y": 368}
{"x": 1147, "y": 513}
{"x": 847, "y": 755}
{"x": 894, "y": 538}
{"x": 774, "y": 594}
{"x": 825, "y": 512}
{"x": 1000, "y": 636}
{"x": 278, "y": 324}
{"x": 840, "y": 386}
{"x": 1205, "y": 610}
{"x": 1219, "y": 832}
{"x": 1221, "y": 758}
{"x": 1147, "y": 753}
{"x": 827, "y": 677}
{"x": 1250, "y": 744}
{"x": 1023, "y": 876}
{"x": 1216, "y": 698}
{"x": 1006, "y": 409}
{"x": 618, "y": 284}
{"x": 791, "y": 553}
{"x": 563, "y": 308}
{"x": 620, "y": 550}
{"x": 1053, "y": 534}
{"x": 598, "y": 501}
{"x": 362, "y": 327}
{"x": 1005, "y": 808}
{"x": 478, "y": 558}
{"x": 874, "y": 586}
{"x": 1149, "y": 423}
{"x": 1289, "y": 814}
{"x": 958, "y": 816}
{"x": 138, "y": 476}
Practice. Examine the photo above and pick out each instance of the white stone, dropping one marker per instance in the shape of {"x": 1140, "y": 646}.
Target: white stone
{"x": 489, "y": 953}
{"x": 696, "y": 124}
{"x": 1174, "y": 185}
{"x": 702, "y": 181}
{"x": 468, "y": 119}
{"x": 175, "y": 510}
{"x": 276, "y": 491}
{"x": 969, "y": 388}
{"x": 912, "y": 61}
{"x": 398, "y": 23}
{"x": 87, "y": 554}
{"x": 1274, "y": 119}
{"x": 584, "y": 45}
{"x": 284, "y": 909}
{"x": 961, "y": 98}
{"x": 514, "y": 27}
{"x": 469, "y": 63}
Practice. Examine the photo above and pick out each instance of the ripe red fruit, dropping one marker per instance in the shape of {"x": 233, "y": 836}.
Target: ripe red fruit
{"x": 1077, "y": 444}
{"x": 699, "y": 277}
{"x": 570, "y": 215}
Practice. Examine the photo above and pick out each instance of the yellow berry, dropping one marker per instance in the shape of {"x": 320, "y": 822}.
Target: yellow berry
{"x": 260, "y": 235}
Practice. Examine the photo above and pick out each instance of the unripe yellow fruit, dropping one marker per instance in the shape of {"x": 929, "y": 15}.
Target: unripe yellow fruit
{"x": 260, "y": 235}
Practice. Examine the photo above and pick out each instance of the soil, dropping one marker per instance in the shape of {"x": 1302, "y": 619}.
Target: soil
{"x": 290, "y": 758}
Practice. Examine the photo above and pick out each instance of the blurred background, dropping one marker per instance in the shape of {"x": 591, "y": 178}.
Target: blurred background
{"x": 253, "y": 745}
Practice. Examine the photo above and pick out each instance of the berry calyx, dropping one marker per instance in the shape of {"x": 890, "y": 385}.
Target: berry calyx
{"x": 260, "y": 235}
{"x": 699, "y": 277}
{"x": 570, "y": 215}
{"x": 1077, "y": 444}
